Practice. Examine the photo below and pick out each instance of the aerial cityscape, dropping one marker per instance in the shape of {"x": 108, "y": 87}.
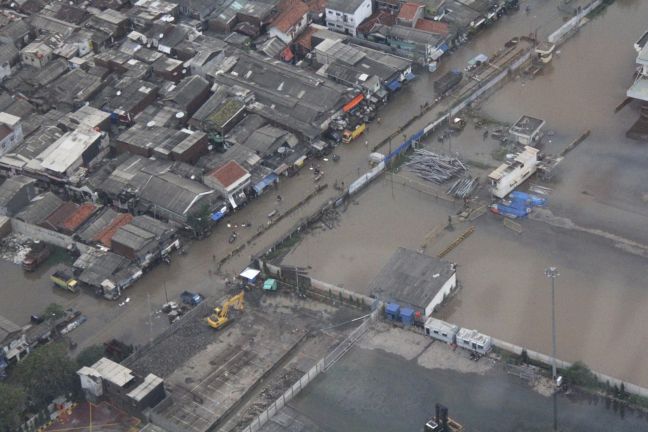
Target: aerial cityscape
{"x": 323, "y": 215}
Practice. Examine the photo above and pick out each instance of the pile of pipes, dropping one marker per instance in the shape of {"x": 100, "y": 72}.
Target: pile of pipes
{"x": 463, "y": 187}
{"x": 434, "y": 167}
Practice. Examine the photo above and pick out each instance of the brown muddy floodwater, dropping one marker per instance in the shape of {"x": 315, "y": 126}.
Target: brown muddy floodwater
{"x": 600, "y": 188}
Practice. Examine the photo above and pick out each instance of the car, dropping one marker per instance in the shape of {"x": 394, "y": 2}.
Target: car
{"x": 190, "y": 298}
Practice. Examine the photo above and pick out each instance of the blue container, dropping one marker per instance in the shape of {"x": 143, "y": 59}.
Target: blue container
{"x": 407, "y": 316}
{"x": 392, "y": 310}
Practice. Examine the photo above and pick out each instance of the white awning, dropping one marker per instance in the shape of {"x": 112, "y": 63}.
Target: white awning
{"x": 250, "y": 273}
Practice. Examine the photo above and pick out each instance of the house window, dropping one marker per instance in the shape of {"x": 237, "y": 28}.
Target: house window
{"x": 479, "y": 347}
{"x": 436, "y": 332}
{"x": 444, "y": 334}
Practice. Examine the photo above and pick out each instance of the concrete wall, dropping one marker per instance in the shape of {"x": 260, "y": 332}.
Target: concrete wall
{"x": 445, "y": 291}
{"x": 560, "y": 35}
{"x": 52, "y": 237}
{"x": 561, "y": 364}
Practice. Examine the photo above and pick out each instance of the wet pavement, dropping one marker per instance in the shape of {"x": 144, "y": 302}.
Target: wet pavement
{"x": 358, "y": 393}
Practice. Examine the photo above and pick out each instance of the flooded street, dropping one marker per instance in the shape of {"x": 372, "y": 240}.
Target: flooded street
{"x": 594, "y": 231}
{"x": 599, "y": 186}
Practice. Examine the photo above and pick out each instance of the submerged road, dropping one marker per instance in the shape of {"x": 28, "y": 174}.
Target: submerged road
{"x": 137, "y": 322}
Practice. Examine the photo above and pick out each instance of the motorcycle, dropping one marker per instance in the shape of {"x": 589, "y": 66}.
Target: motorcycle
{"x": 232, "y": 237}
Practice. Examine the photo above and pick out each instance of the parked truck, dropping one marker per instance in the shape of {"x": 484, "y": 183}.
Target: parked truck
{"x": 38, "y": 253}
{"x": 447, "y": 82}
{"x": 350, "y": 135}
{"x": 64, "y": 278}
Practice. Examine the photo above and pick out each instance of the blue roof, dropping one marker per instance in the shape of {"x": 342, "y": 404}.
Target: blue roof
{"x": 392, "y": 308}
{"x": 265, "y": 182}
{"x": 216, "y": 216}
{"x": 407, "y": 312}
{"x": 394, "y": 85}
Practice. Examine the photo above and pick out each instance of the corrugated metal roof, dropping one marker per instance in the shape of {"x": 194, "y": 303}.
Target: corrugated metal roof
{"x": 411, "y": 277}
{"x": 113, "y": 372}
{"x": 141, "y": 391}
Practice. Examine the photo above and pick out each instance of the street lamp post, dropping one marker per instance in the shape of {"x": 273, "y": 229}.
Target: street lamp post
{"x": 552, "y": 273}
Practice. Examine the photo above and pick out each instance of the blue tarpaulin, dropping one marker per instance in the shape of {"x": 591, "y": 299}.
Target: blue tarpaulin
{"x": 410, "y": 76}
{"x": 394, "y": 85}
{"x": 217, "y": 215}
{"x": 267, "y": 181}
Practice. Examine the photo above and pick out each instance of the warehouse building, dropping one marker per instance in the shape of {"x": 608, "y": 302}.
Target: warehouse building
{"x": 418, "y": 281}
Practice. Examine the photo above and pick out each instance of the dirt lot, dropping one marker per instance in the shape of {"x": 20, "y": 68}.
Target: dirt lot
{"x": 213, "y": 377}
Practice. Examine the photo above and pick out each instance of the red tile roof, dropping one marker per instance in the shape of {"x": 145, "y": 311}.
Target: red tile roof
{"x": 306, "y": 38}
{"x": 290, "y": 16}
{"x": 105, "y": 236}
{"x": 56, "y": 218}
{"x": 229, "y": 173}
{"x": 76, "y": 219}
{"x": 408, "y": 11}
{"x": 379, "y": 17}
{"x": 432, "y": 26}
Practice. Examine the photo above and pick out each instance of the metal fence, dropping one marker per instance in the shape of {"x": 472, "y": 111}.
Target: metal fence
{"x": 321, "y": 366}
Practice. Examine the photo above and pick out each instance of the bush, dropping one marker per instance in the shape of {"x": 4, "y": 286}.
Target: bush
{"x": 90, "y": 355}
{"x": 580, "y": 374}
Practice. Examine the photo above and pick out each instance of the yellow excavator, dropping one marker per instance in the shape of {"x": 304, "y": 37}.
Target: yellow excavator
{"x": 220, "y": 318}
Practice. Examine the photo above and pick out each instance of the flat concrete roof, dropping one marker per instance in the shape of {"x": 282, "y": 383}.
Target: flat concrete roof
{"x": 66, "y": 150}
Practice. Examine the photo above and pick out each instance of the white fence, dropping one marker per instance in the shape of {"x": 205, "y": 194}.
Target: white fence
{"x": 559, "y": 35}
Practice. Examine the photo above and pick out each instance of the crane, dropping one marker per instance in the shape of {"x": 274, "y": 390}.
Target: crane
{"x": 220, "y": 318}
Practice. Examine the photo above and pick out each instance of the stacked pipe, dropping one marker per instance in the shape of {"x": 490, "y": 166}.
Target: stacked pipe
{"x": 463, "y": 187}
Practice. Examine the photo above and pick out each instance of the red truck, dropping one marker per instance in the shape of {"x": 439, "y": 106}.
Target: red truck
{"x": 38, "y": 253}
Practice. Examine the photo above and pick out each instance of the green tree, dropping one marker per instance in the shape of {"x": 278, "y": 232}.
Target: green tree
{"x": 200, "y": 221}
{"x": 12, "y": 404}
{"x": 54, "y": 311}
{"x": 90, "y": 355}
{"x": 47, "y": 373}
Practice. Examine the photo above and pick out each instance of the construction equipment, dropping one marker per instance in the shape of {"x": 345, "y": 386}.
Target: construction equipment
{"x": 350, "y": 135}
{"x": 220, "y": 318}
{"x": 441, "y": 422}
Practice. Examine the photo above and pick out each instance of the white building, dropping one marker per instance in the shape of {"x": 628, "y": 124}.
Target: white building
{"x": 441, "y": 330}
{"x": 505, "y": 178}
{"x": 71, "y": 151}
{"x": 36, "y": 54}
{"x": 345, "y": 16}
{"x": 472, "y": 340}
{"x": 230, "y": 179}
{"x": 415, "y": 280}
{"x": 11, "y": 133}
{"x": 290, "y": 23}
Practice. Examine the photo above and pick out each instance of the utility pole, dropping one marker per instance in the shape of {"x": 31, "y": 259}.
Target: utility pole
{"x": 552, "y": 273}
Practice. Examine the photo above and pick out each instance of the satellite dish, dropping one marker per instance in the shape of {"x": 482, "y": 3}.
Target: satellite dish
{"x": 179, "y": 115}
{"x": 150, "y": 124}
{"x": 281, "y": 150}
{"x": 118, "y": 92}
{"x": 161, "y": 35}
